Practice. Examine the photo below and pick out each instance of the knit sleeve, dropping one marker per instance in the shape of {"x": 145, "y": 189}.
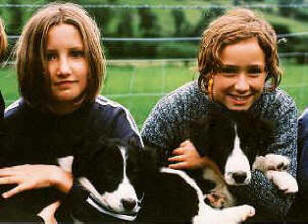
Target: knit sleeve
{"x": 262, "y": 193}
{"x": 168, "y": 123}
{"x": 157, "y": 128}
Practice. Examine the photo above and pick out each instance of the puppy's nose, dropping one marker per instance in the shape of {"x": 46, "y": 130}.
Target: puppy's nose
{"x": 239, "y": 177}
{"x": 129, "y": 204}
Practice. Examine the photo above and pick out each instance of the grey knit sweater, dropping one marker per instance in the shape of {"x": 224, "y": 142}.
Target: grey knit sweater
{"x": 168, "y": 125}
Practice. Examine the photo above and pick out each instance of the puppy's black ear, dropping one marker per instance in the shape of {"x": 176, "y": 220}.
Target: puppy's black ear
{"x": 259, "y": 133}
{"x": 199, "y": 132}
{"x": 152, "y": 158}
{"x": 86, "y": 151}
{"x": 134, "y": 141}
{"x": 265, "y": 131}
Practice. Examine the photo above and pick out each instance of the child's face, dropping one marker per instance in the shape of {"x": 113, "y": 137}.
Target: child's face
{"x": 240, "y": 82}
{"x": 66, "y": 63}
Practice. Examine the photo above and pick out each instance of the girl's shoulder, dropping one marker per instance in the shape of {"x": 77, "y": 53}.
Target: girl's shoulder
{"x": 303, "y": 118}
{"x": 185, "y": 98}
{"x": 275, "y": 103}
{"x": 109, "y": 110}
{"x": 113, "y": 116}
{"x": 186, "y": 91}
{"x": 103, "y": 104}
{"x": 277, "y": 97}
{"x": 14, "y": 108}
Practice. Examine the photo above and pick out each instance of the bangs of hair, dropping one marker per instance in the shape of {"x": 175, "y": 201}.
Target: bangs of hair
{"x": 32, "y": 70}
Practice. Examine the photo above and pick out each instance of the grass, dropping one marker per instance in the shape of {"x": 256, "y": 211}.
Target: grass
{"x": 139, "y": 86}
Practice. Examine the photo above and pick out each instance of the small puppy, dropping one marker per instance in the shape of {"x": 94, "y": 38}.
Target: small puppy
{"x": 233, "y": 144}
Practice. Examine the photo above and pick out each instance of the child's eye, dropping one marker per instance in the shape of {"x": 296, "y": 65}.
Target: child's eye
{"x": 228, "y": 70}
{"x": 77, "y": 54}
{"x": 254, "y": 71}
{"x": 50, "y": 56}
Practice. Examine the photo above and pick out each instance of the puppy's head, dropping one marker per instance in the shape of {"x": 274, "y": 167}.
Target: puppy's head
{"x": 109, "y": 171}
{"x": 232, "y": 141}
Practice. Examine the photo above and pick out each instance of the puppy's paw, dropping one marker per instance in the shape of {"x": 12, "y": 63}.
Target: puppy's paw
{"x": 283, "y": 180}
{"x": 277, "y": 162}
{"x": 232, "y": 215}
{"x": 271, "y": 162}
{"x": 247, "y": 212}
{"x": 238, "y": 214}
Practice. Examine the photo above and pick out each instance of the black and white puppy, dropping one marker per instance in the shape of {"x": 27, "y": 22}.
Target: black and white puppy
{"x": 122, "y": 180}
{"x": 234, "y": 142}
{"x": 109, "y": 172}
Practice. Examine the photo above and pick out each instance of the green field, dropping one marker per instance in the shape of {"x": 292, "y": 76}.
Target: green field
{"x": 139, "y": 85}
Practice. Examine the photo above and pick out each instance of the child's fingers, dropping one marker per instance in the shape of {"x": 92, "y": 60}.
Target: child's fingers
{"x": 15, "y": 190}
{"x": 180, "y": 158}
{"x": 8, "y": 180}
{"x": 178, "y": 151}
{"x": 7, "y": 171}
{"x": 179, "y": 166}
{"x": 186, "y": 142}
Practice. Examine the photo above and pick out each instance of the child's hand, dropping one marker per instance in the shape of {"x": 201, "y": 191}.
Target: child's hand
{"x": 186, "y": 157}
{"x": 28, "y": 177}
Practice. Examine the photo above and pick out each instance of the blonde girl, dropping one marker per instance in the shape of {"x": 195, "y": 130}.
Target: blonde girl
{"x": 60, "y": 68}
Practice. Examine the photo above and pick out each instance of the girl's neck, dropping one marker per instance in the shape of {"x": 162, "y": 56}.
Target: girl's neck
{"x": 63, "y": 108}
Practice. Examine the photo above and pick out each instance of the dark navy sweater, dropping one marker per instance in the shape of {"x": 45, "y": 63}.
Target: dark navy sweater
{"x": 41, "y": 138}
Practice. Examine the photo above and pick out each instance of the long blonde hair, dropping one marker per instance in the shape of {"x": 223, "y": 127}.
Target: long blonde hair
{"x": 31, "y": 52}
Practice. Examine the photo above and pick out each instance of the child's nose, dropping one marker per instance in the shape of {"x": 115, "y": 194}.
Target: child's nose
{"x": 64, "y": 67}
{"x": 241, "y": 84}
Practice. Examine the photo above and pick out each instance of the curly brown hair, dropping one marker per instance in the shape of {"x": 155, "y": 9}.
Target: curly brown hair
{"x": 234, "y": 26}
{"x": 31, "y": 52}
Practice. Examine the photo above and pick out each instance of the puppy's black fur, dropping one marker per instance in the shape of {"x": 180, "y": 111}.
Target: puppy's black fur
{"x": 101, "y": 163}
{"x": 166, "y": 198}
{"x": 216, "y": 133}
